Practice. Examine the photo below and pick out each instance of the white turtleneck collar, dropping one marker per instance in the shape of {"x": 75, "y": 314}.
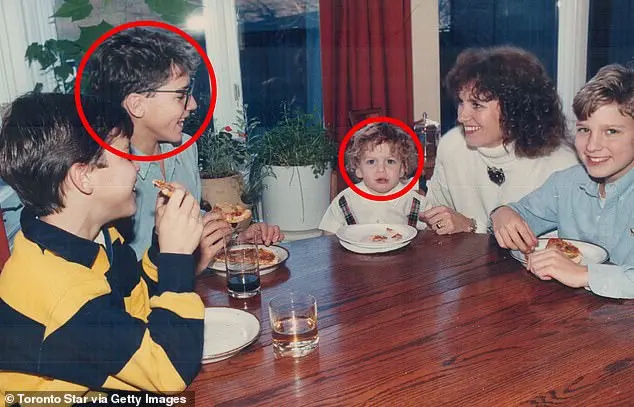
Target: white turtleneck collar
{"x": 498, "y": 156}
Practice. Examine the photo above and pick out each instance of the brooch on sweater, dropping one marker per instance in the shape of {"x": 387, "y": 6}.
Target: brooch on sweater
{"x": 496, "y": 175}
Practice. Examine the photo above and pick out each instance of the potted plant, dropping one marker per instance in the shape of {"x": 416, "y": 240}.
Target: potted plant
{"x": 293, "y": 162}
{"x": 223, "y": 161}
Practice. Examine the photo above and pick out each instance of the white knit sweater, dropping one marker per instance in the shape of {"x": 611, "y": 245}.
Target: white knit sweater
{"x": 461, "y": 181}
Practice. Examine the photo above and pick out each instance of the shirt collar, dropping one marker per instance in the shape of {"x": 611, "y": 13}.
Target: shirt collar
{"x": 64, "y": 244}
{"x": 620, "y": 186}
{"x": 144, "y": 166}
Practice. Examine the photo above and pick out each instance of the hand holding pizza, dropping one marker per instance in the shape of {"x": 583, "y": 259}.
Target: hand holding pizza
{"x": 551, "y": 263}
{"x": 511, "y": 231}
{"x": 214, "y": 230}
{"x": 178, "y": 223}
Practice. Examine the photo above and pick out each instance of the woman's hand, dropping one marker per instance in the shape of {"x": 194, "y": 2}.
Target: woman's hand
{"x": 445, "y": 221}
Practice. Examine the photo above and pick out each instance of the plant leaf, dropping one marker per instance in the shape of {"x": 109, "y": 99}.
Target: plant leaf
{"x": 63, "y": 71}
{"x": 174, "y": 12}
{"x": 75, "y": 9}
{"x": 88, "y": 35}
{"x": 33, "y": 52}
{"x": 69, "y": 49}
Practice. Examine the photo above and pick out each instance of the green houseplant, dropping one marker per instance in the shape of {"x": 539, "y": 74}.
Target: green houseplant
{"x": 223, "y": 161}
{"x": 291, "y": 165}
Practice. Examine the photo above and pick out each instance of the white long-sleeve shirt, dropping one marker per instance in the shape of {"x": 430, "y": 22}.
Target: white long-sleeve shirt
{"x": 461, "y": 181}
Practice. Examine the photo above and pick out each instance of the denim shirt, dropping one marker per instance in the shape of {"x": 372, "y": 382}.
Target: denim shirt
{"x": 181, "y": 168}
{"x": 569, "y": 201}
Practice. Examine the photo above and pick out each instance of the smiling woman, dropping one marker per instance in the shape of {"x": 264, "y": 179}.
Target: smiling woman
{"x": 511, "y": 136}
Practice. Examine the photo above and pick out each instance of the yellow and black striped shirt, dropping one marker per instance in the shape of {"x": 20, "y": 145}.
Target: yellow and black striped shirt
{"x": 77, "y": 316}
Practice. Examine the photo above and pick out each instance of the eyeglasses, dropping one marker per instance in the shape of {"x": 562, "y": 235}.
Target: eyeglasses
{"x": 185, "y": 93}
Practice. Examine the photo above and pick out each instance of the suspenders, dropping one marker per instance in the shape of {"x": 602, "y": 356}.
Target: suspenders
{"x": 412, "y": 217}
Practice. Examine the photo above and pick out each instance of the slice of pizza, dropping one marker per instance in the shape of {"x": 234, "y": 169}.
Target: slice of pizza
{"x": 232, "y": 213}
{"x": 568, "y": 249}
{"x": 165, "y": 188}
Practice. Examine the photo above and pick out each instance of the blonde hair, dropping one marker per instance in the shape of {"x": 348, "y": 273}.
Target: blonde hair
{"x": 375, "y": 134}
{"x": 612, "y": 84}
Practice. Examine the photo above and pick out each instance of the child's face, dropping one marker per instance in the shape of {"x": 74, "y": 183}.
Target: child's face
{"x": 480, "y": 120}
{"x": 165, "y": 111}
{"x": 114, "y": 184}
{"x": 380, "y": 169}
{"x": 605, "y": 143}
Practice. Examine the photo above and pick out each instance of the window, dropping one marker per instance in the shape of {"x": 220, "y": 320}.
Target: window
{"x": 610, "y": 34}
{"x": 529, "y": 24}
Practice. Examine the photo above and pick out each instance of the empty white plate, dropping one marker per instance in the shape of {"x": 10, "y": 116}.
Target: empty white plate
{"x": 227, "y": 331}
{"x": 592, "y": 253}
{"x": 363, "y": 235}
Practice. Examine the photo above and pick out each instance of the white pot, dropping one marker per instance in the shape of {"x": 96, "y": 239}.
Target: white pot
{"x": 294, "y": 199}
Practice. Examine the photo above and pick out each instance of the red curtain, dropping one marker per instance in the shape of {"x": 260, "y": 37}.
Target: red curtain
{"x": 366, "y": 48}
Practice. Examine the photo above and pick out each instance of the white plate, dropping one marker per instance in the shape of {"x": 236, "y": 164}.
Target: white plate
{"x": 366, "y": 250}
{"x": 227, "y": 331}
{"x": 592, "y": 253}
{"x": 281, "y": 253}
{"x": 360, "y": 235}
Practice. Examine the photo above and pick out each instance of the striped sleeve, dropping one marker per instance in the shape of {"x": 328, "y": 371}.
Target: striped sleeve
{"x": 102, "y": 344}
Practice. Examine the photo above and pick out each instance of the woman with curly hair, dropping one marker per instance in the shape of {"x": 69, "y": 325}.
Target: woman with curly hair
{"x": 511, "y": 137}
{"x": 381, "y": 157}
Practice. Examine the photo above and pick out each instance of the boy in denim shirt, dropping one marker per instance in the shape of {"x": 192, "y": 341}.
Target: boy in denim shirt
{"x": 593, "y": 202}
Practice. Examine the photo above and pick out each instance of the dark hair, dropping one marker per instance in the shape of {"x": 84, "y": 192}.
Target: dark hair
{"x": 42, "y": 137}
{"x": 530, "y": 109}
{"x": 612, "y": 84}
{"x": 375, "y": 134}
{"x": 138, "y": 59}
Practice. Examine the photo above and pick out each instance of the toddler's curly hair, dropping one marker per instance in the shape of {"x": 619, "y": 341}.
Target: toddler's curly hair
{"x": 375, "y": 134}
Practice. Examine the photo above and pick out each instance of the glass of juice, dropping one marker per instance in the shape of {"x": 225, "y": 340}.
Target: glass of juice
{"x": 293, "y": 318}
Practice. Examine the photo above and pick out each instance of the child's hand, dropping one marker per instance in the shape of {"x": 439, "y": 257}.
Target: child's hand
{"x": 548, "y": 264}
{"x": 211, "y": 241}
{"x": 511, "y": 231}
{"x": 268, "y": 233}
{"x": 445, "y": 221}
{"x": 179, "y": 223}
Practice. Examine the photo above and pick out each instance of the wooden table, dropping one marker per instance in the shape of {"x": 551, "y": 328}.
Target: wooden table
{"x": 445, "y": 321}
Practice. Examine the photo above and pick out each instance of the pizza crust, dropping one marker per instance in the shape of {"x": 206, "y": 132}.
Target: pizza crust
{"x": 165, "y": 188}
{"x": 566, "y": 248}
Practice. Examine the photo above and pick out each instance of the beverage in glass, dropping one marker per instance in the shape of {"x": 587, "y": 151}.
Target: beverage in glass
{"x": 293, "y": 318}
{"x": 241, "y": 261}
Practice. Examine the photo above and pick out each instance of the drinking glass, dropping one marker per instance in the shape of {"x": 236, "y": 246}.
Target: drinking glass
{"x": 293, "y": 318}
{"x": 241, "y": 261}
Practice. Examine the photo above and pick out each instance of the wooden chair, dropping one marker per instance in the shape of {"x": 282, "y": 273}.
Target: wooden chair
{"x": 355, "y": 116}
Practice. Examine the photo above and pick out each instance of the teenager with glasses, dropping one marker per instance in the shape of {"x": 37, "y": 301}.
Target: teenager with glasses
{"x": 149, "y": 71}
{"x": 511, "y": 136}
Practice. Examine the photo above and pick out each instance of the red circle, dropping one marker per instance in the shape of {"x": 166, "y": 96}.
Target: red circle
{"x": 408, "y": 187}
{"x": 212, "y": 80}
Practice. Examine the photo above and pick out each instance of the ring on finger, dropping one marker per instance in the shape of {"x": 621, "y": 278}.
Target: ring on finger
{"x": 438, "y": 225}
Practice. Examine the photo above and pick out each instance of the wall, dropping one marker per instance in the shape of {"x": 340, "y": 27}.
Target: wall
{"x": 425, "y": 60}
